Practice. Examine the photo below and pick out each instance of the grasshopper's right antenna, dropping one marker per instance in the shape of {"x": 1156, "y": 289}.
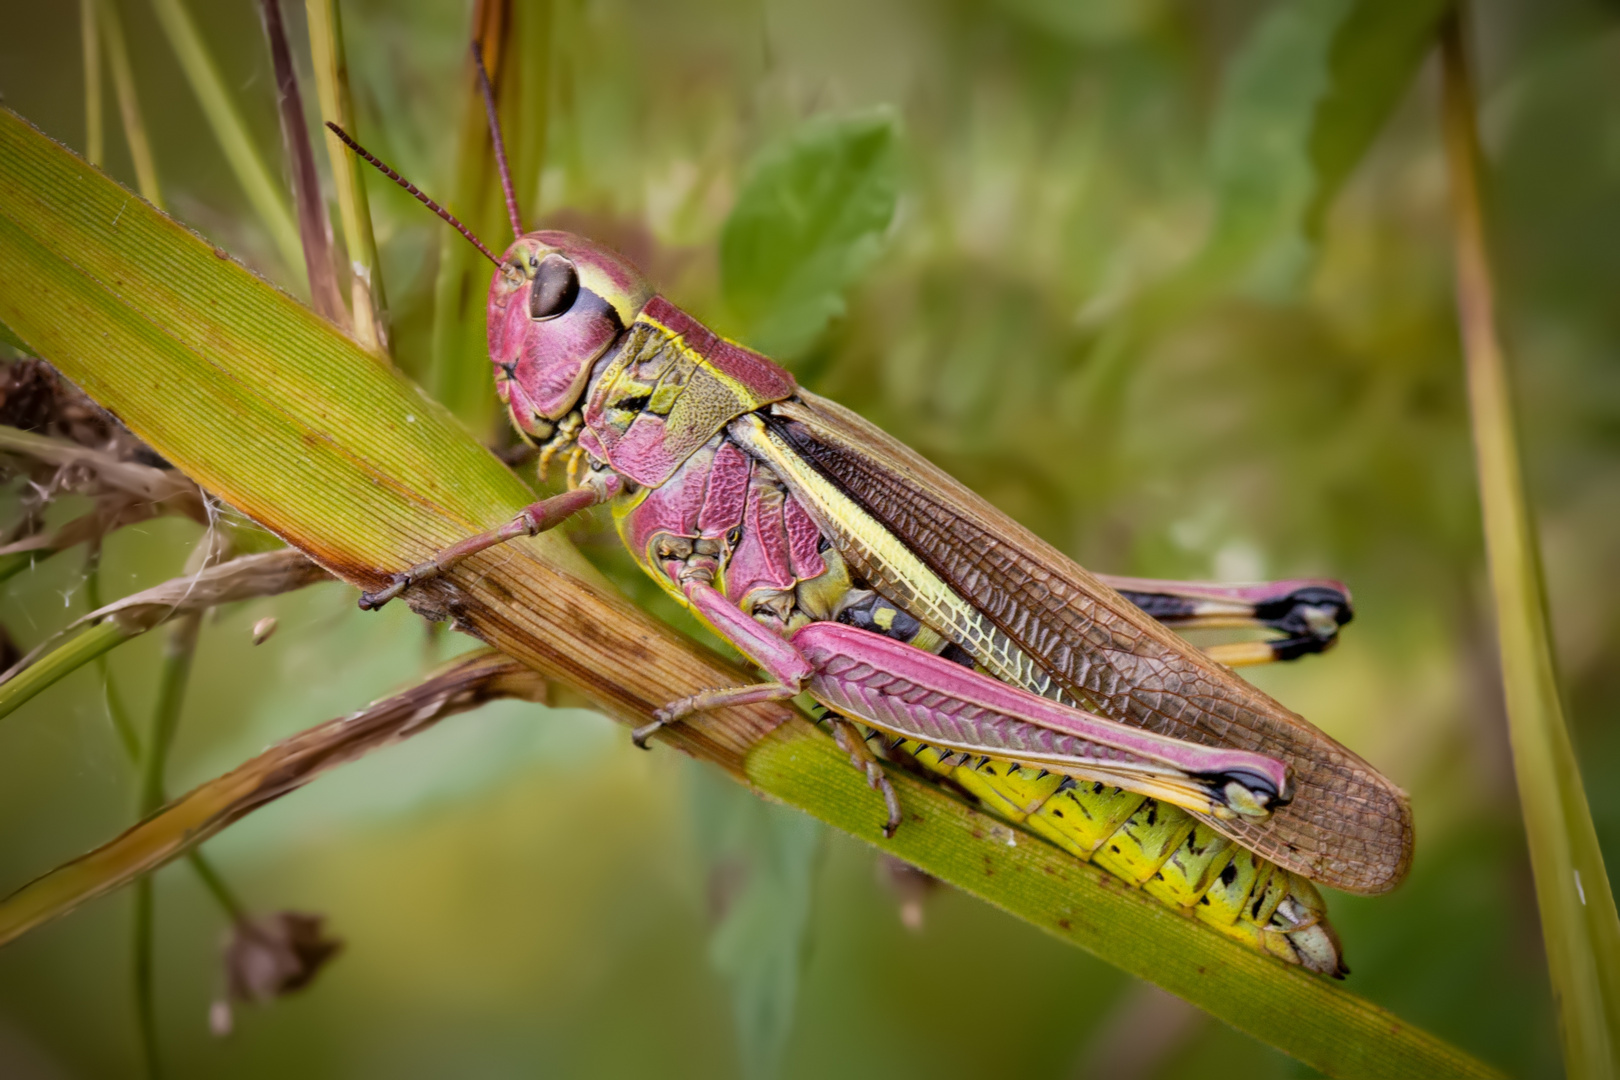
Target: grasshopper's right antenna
{"x": 412, "y": 188}
{"x": 500, "y": 144}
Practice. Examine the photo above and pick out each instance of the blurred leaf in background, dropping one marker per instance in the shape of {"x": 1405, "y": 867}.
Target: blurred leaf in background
{"x": 760, "y": 859}
{"x": 808, "y": 221}
{"x": 1376, "y": 51}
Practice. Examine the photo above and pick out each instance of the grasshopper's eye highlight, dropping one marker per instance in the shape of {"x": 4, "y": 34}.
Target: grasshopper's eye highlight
{"x": 556, "y": 284}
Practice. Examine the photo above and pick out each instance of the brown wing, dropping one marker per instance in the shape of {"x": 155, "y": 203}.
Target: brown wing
{"x": 1347, "y": 827}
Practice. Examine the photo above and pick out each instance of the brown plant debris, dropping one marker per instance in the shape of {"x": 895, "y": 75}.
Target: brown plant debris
{"x": 33, "y": 397}
{"x": 243, "y": 578}
{"x": 270, "y": 957}
{"x": 60, "y": 442}
{"x": 465, "y": 683}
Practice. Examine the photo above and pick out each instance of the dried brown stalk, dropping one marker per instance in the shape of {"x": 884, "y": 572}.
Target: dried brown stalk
{"x": 177, "y": 828}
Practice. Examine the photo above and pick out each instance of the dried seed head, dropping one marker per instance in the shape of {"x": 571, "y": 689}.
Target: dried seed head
{"x": 911, "y": 888}
{"x": 270, "y": 957}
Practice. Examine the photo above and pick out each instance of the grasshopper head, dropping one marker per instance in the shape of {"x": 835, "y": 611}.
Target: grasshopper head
{"x": 558, "y": 301}
{"x": 556, "y": 305}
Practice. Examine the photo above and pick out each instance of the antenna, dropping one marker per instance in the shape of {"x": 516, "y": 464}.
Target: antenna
{"x": 500, "y": 144}
{"x": 412, "y": 188}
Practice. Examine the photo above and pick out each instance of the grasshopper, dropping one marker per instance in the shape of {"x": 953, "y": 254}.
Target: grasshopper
{"x": 923, "y": 620}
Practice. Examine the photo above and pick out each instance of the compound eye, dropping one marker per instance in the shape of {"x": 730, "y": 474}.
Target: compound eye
{"x": 556, "y": 284}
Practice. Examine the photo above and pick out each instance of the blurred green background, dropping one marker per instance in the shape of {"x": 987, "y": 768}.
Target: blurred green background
{"x": 1118, "y": 296}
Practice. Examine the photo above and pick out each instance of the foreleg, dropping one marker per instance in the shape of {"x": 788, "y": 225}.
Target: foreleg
{"x": 532, "y": 520}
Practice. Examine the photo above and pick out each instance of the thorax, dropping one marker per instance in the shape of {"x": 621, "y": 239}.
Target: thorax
{"x": 666, "y": 390}
{"x": 727, "y": 519}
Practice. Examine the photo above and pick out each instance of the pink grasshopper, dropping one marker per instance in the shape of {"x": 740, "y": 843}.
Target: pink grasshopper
{"x": 848, "y": 567}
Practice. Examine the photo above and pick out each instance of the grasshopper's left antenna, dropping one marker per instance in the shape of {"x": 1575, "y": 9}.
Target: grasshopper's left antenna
{"x": 500, "y": 144}
{"x": 414, "y": 190}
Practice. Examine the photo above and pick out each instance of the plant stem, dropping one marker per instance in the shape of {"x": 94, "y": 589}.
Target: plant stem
{"x": 172, "y": 678}
{"x": 314, "y": 228}
{"x": 115, "y": 702}
{"x": 94, "y": 131}
{"x": 141, "y": 964}
{"x": 176, "y": 671}
{"x": 457, "y": 376}
{"x": 180, "y": 826}
{"x": 129, "y": 105}
{"x": 535, "y": 23}
{"x": 1578, "y": 920}
{"x": 229, "y": 128}
{"x": 131, "y": 741}
{"x": 368, "y": 303}
{"x": 83, "y": 646}
{"x": 215, "y": 884}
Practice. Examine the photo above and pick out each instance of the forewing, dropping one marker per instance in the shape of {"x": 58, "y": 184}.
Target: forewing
{"x": 1347, "y": 826}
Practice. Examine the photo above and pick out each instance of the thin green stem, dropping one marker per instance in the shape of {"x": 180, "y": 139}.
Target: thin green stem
{"x": 216, "y": 887}
{"x": 122, "y": 724}
{"x": 129, "y": 105}
{"x": 94, "y": 129}
{"x": 172, "y": 678}
{"x": 188, "y": 821}
{"x": 81, "y": 647}
{"x": 127, "y": 736}
{"x": 1578, "y": 919}
{"x": 367, "y": 303}
{"x": 178, "y": 651}
{"x": 230, "y": 129}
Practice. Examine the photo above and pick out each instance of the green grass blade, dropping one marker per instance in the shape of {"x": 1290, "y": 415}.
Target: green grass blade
{"x": 271, "y": 408}
{"x": 83, "y": 646}
{"x": 314, "y": 228}
{"x": 1306, "y": 1016}
{"x": 230, "y": 129}
{"x": 90, "y": 46}
{"x": 129, "y": 105}
{"x": 1578, "y": 920}
{"x": 367, "y": 300}
{"x": 460, "y": 358}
